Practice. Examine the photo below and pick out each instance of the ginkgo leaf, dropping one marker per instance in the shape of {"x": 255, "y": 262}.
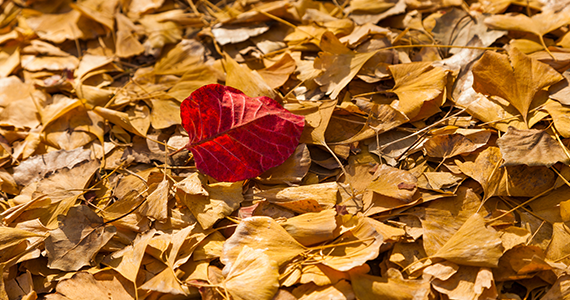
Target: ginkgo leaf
{"x": 448, "y": 145}
{"x": 79, "y": 237}
{"x": 369, "y": 287}
{"x": 317, "y": 116}
{"x": 234, "y": 137}
{"x": 12, "y": 236}
{"x": 127, "y": 261}
{"x": 560, "y": 116}
{"x": 261, "y": 233}
{"x": 516, "y": 78}
{"x": 252, "y": 268}
{"x": 474, "y": 244}
{"x": 484, "y": 169}
{"x": 312, "y": 228}
{"x": 354, "y": 247}
{"x": 339, "y": 64}
{"x": 395, "y": 183}
{"x": 530, "y": 147}
{"x": 416, "y": 83}
{"x": 539, "y": 24}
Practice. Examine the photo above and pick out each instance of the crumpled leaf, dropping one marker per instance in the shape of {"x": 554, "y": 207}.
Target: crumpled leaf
{"x": 127, "y": 261}
{"x": 36, "y": 167}
{"x": 468, "y": 283}
{"x": 515, "y": 78}
{"x": 80, "y": 236}
{"x": 530, "y": 147}
{"x": 235, "y": 137}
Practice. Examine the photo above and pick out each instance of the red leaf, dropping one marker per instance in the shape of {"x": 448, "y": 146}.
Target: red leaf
{"x": 234, "y": 137}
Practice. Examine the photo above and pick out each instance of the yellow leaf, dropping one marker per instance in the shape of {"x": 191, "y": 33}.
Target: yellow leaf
{"x": 253, "y": 275}
{"x": 539, "y": 24}
{"x": 448, "y": 145}
{"x": 312, "y": 228}
{"x": 530, "y": 147}
{"x": 368, "y": 287}
{"x": 473, "y": 244}
{"x": 395, "y": 183}
{"x": 516, "y": 78}
{"x": 339, "y": 63}
{"x": 265, "y": 234}
{"x": 245, "y": 80}
{"x": 416, "y": 83}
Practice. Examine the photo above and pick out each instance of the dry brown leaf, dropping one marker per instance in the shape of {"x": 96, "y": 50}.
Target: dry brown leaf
{"x": 342, "y": 291}
{"x": 65, "y": 26}
{"x": 485, "y": 169}
{"x": 530, "y": 147}
{"x": 83, "y": 286}
{"x": 305, "y": 198}
{"x": 516, "y": 78}
{"x": 243, "y": 79}
{"x": 560, "y": 116}
{"x": 278, "y": 73}
{"x": 468, "y": 283}
{"x": 127, "y": 44}
{"x": 78, "y": 239}
{"x": 127, "y": 261}
{"x": 354, "y": 247}
{"x": 37, "y": 167}
{"x": 449, "y": 145}
{"x": 223, "y": 199}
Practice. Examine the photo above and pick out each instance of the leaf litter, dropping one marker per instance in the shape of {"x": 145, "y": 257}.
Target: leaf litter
{"x": 350, "y": 149}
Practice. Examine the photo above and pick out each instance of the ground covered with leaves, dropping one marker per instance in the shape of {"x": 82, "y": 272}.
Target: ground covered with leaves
{"x": 432, "y": 162}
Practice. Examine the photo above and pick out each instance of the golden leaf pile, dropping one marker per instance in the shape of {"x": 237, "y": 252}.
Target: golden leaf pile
{"x": 434, "y": 163}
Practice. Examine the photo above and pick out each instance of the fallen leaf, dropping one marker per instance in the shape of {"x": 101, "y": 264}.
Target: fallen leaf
{"x": 508, "y": 77}
{"x": 334, "y": 61}
{"x": 252, "y": 267}
{"x": 246, "y": 137}
{"x": 261, "y": 233}
{"x": 80, "y": 236}
{"x": 473, "y": 244}
{"x": 539, "y": 24}
{"x": 530, "y": 147}
{"x": 391, "y": 182}
{"x": 391, "y": 287}
{"x": 416, "y": 83}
